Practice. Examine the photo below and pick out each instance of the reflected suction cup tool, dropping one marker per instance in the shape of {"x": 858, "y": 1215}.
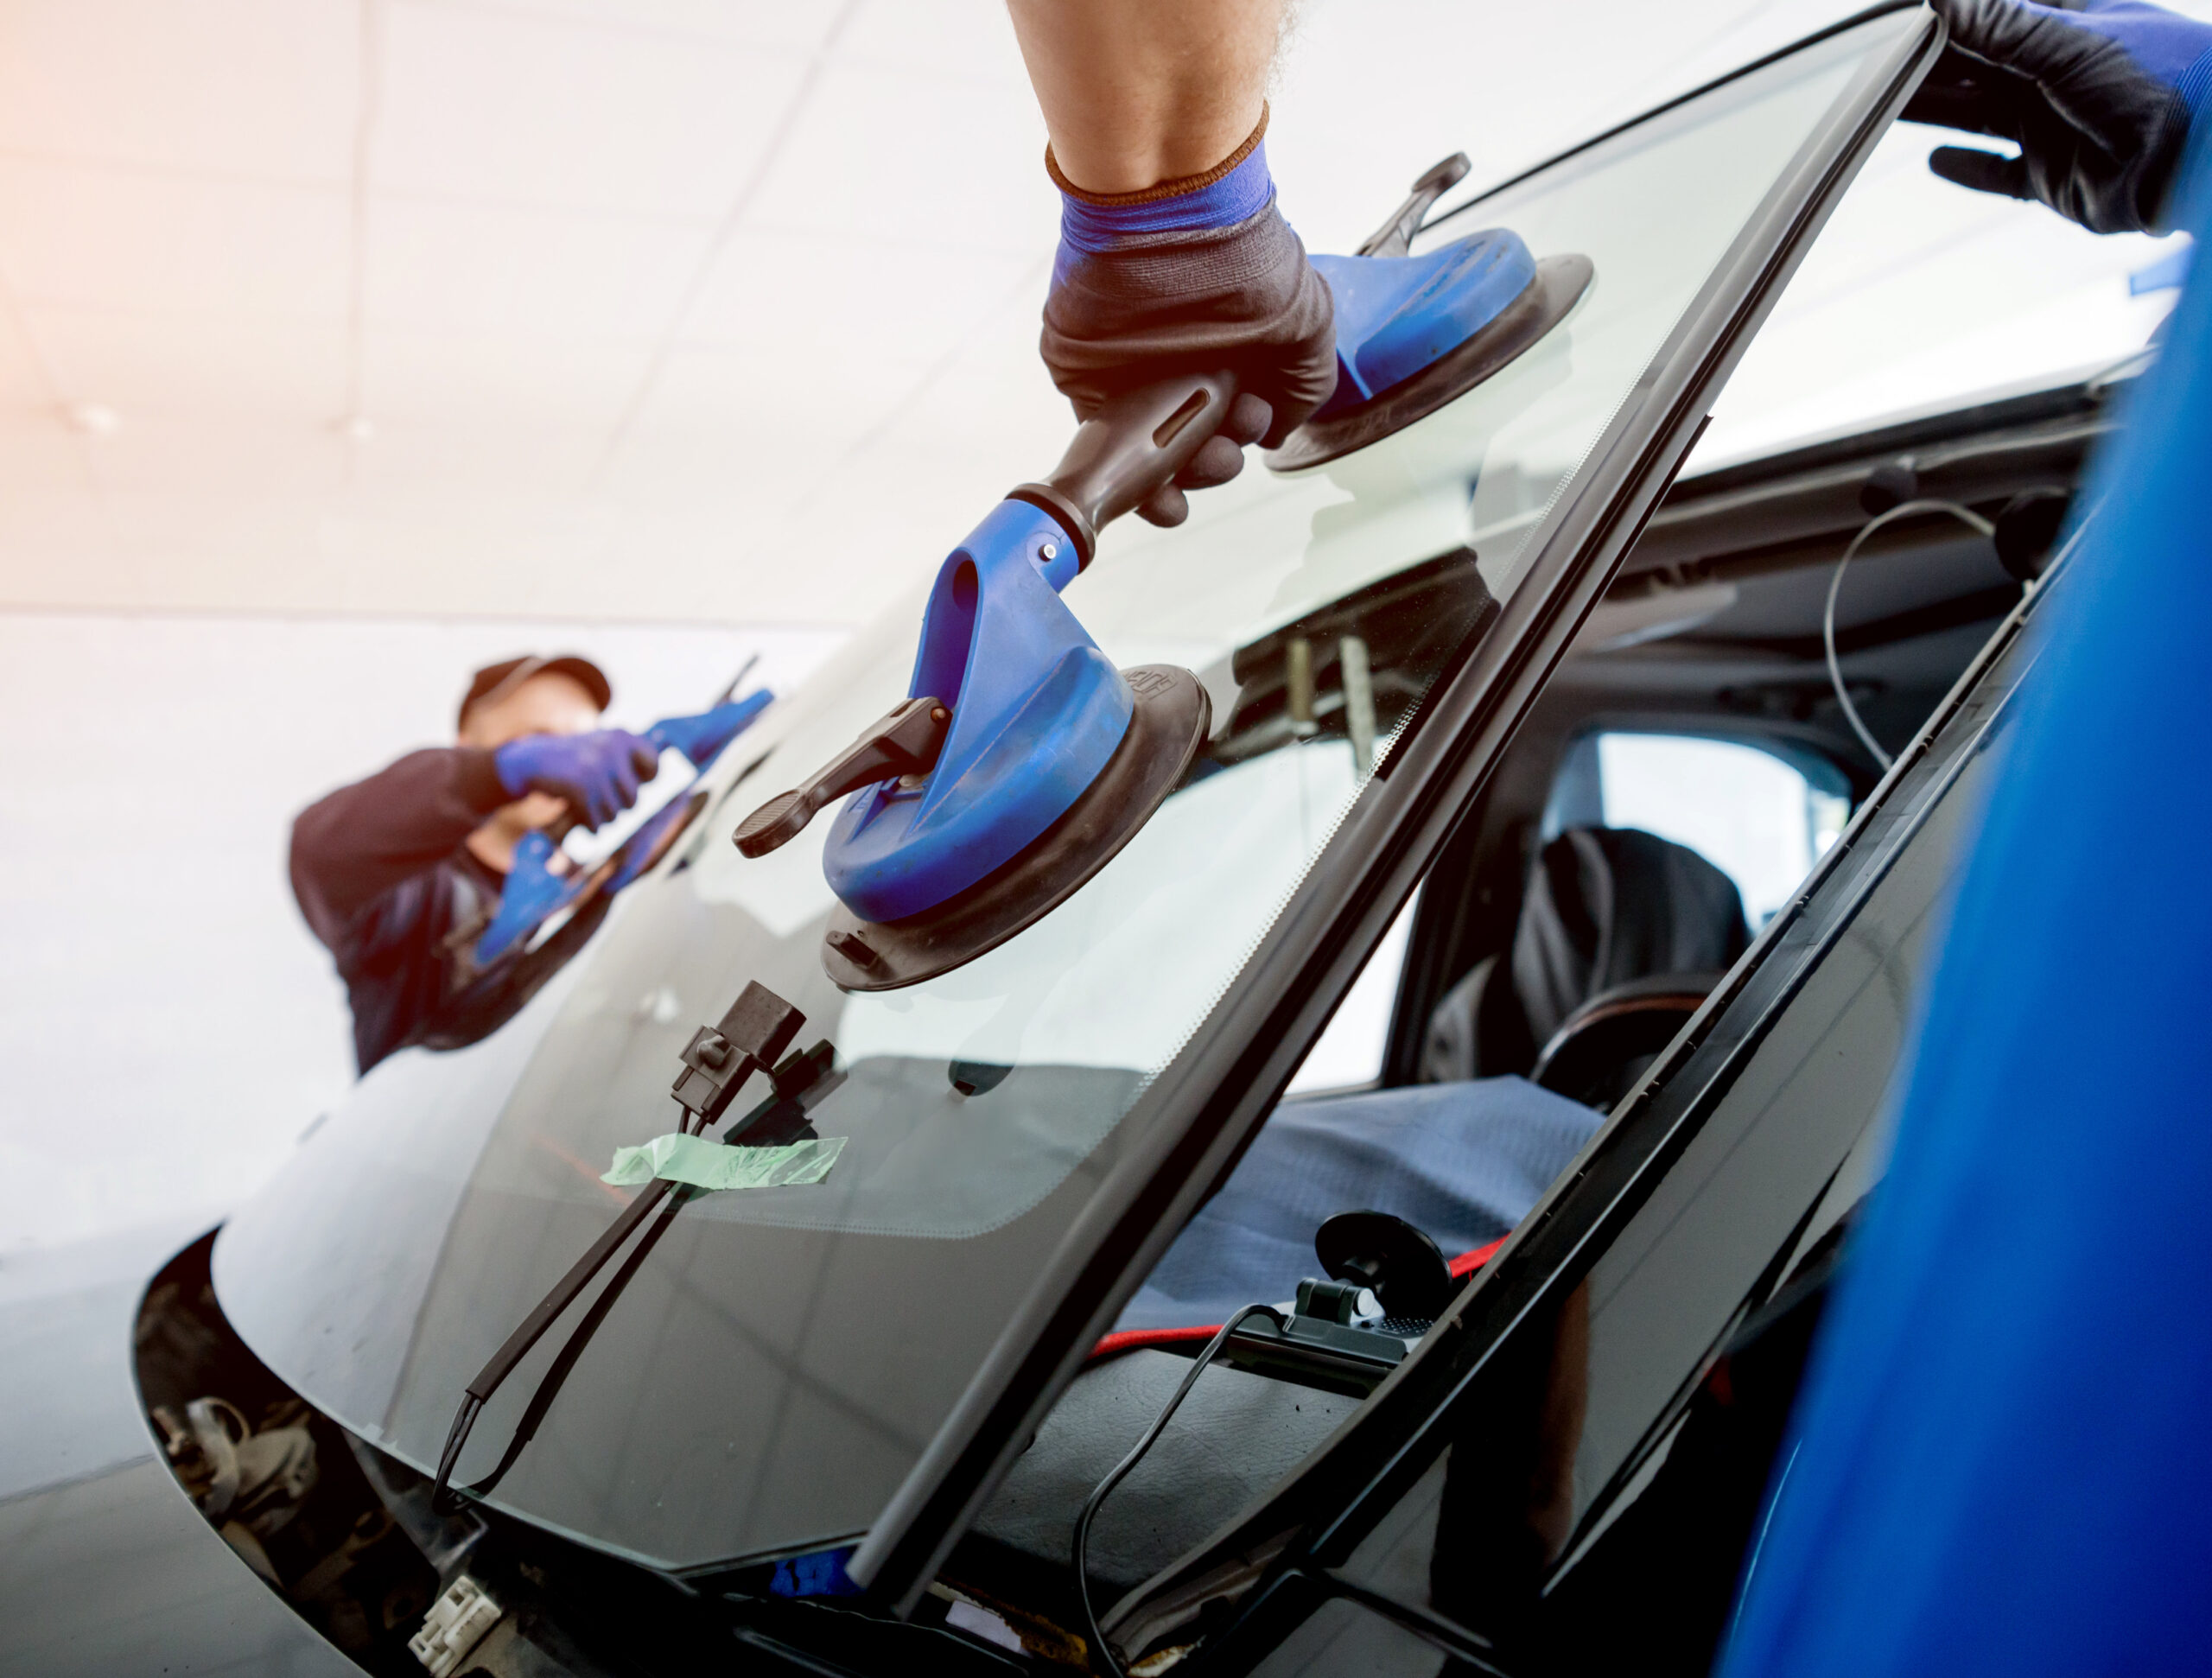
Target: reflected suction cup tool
{"x": 1406, "y": 1270}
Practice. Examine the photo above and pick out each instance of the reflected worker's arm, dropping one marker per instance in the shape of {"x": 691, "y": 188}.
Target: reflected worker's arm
{"x": 1172, "y": 255}
{"x": 354, "y": 845}
{"x": 393, "y": 872}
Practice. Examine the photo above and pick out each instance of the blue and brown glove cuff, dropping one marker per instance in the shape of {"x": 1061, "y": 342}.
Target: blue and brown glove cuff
{"x": 1198, "y": 274}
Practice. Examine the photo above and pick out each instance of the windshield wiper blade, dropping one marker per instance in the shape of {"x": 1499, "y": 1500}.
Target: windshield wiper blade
{"x": 759, "y": 1026}
{"x": 802, "y": 1081}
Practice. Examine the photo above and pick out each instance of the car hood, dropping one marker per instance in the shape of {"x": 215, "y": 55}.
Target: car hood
{"x": 106, "y": 1568}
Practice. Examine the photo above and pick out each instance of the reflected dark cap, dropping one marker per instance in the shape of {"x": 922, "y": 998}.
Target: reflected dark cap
{"x": 495, "y": 682}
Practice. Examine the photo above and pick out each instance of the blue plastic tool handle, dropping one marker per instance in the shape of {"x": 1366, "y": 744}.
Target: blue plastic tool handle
{"x": 1037, "y": 710}
{"x": 533, "y": 893}
{"x": 1396, "y": 316}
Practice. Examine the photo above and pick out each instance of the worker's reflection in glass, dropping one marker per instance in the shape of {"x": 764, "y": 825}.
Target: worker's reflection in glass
{"x": 398, "y": 873}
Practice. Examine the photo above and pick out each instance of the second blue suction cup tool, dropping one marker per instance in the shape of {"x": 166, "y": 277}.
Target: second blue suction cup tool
{"x": 1414, "y": 332}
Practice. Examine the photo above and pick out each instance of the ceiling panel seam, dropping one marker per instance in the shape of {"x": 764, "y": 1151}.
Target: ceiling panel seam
{"x": 839, "y": 471}
{"x": 610, "y": 26}
{"x": 772, "y": 154}
{"x": 370, "y": 91}
{"x": 87, "y": 163}
{"x": 57, "y": 399}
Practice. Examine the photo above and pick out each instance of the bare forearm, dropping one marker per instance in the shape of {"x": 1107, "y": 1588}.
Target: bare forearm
{"x": 1139, "y": 91}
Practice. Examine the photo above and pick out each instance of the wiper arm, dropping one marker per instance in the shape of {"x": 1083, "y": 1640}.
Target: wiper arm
{"x": 758, "y": 1027}
{"x": 802, "y": 1081}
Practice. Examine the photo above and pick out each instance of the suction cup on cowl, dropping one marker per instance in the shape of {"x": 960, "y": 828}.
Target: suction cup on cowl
{"x": 1401, "y": 1263}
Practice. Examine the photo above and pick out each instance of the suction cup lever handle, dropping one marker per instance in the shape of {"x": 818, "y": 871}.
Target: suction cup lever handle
{"x": 904, "y": 742}
{"x": 1395, "y": 238}
{"x": 1128, "y": 449}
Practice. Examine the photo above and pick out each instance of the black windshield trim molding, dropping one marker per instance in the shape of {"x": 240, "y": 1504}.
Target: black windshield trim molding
{"x": 1190, "y": 1126}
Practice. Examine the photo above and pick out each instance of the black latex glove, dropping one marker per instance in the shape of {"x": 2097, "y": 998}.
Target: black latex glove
{"x": 2098, "y": 95}
{"x": 1133, "y": 302}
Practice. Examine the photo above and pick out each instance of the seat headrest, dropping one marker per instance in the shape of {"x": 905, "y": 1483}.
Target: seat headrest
{"x": 1607, "y": 905}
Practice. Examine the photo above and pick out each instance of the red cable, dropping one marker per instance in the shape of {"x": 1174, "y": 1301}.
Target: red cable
{"x": 1137, "y": 1339}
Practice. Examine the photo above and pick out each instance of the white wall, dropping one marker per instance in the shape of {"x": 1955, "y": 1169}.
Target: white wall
{"x": 167, "y": 1024}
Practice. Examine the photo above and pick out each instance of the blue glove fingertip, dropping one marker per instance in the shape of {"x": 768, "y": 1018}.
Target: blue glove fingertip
{"x": 511, "y": 763}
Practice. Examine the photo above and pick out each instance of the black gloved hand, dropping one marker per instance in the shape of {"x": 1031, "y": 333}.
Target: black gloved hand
{"x": 2098, "y": 94}
{"x": 1196, "y": 275}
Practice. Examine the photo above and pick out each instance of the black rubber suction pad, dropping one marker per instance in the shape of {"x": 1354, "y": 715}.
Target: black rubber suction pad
{"x": 1401, "y": 1262}
{"x": 1172, "y": 719}
{"x": 1547, "y": 301}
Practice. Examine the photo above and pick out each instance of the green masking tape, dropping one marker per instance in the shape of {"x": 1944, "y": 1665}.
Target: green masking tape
{"x": 705, "y": 1165}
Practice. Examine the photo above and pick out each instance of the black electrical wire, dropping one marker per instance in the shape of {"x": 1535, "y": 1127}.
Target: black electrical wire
{"x": 1121, "y": 1470}
{"x": 1965, "y": 515}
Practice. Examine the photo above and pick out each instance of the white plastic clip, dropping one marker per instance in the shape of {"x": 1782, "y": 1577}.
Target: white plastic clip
{"x": 455, "y": 1624}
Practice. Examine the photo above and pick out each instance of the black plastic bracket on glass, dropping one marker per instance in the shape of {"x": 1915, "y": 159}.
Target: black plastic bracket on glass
{"x": 905, "y": 740}
{"x": 759, "y": 1026}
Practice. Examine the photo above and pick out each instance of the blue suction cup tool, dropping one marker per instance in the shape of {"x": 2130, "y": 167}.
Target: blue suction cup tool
{"x": 1022, "y": 761}
{"x": 1414, "y": 332}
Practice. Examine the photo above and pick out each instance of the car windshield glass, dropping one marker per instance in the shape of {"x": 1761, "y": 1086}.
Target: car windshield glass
{"x": 779, "y": 1365}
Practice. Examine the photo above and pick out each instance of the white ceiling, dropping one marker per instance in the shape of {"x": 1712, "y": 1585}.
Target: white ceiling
{"x": 616, "y": 309}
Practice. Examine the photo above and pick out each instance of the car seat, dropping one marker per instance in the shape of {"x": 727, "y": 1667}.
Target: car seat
{"x": 1605, "y": 911}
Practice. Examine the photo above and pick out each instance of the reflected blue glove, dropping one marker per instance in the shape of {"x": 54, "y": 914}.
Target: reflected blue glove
{"x": 597, "y": 773}
{"x": 700, "y": 737}
{"x": 2098, "y": 95}
{"x": 1201, "y": 275}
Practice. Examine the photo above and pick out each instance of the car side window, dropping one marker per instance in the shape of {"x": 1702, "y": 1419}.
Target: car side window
{"x": 1348, "y": 1055}
{"x": 1760, "y": 814}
